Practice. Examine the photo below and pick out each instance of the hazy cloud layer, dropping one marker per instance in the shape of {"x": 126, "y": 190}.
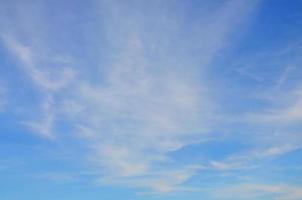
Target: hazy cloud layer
{"x": 138, "y": 88}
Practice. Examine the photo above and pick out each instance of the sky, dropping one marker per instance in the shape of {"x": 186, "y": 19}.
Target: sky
{"x": 144, "y": 100}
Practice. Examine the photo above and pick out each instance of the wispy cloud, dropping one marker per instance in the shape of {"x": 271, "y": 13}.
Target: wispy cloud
{"x": 47, "y": 79}
{"x": 285, "y": 107}
{"x": 147, "y": 98}
{"x": 254, "y": 190}
{"x": 161, "y": 180}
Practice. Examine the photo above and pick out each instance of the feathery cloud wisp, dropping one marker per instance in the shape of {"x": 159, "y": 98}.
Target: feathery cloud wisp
{"x": 147, "y": 96}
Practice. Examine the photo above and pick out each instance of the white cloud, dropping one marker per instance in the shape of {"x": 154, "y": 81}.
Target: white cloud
{"x": 49, "y": 80}
{"x": 278, "y": 150}
{"x": 45, "y": 77}
{"x": 256, "y": 191}
{"x": 152, "y": 99}
{"x": 146, "y": 107}
{"x": 44, "y": 125}
{"x": 289, "y": 114}
{"x": 254, "y": 157}
{"x": 227, "y": 165}
{"x": 159, "y": 181}
{"x": 136, "y": 118}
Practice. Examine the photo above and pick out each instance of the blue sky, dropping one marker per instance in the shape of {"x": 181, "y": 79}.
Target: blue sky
{"x": 141, "y": 100}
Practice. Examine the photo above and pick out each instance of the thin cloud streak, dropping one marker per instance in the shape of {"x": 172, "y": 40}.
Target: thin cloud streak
{"x": 254, "y": 190}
